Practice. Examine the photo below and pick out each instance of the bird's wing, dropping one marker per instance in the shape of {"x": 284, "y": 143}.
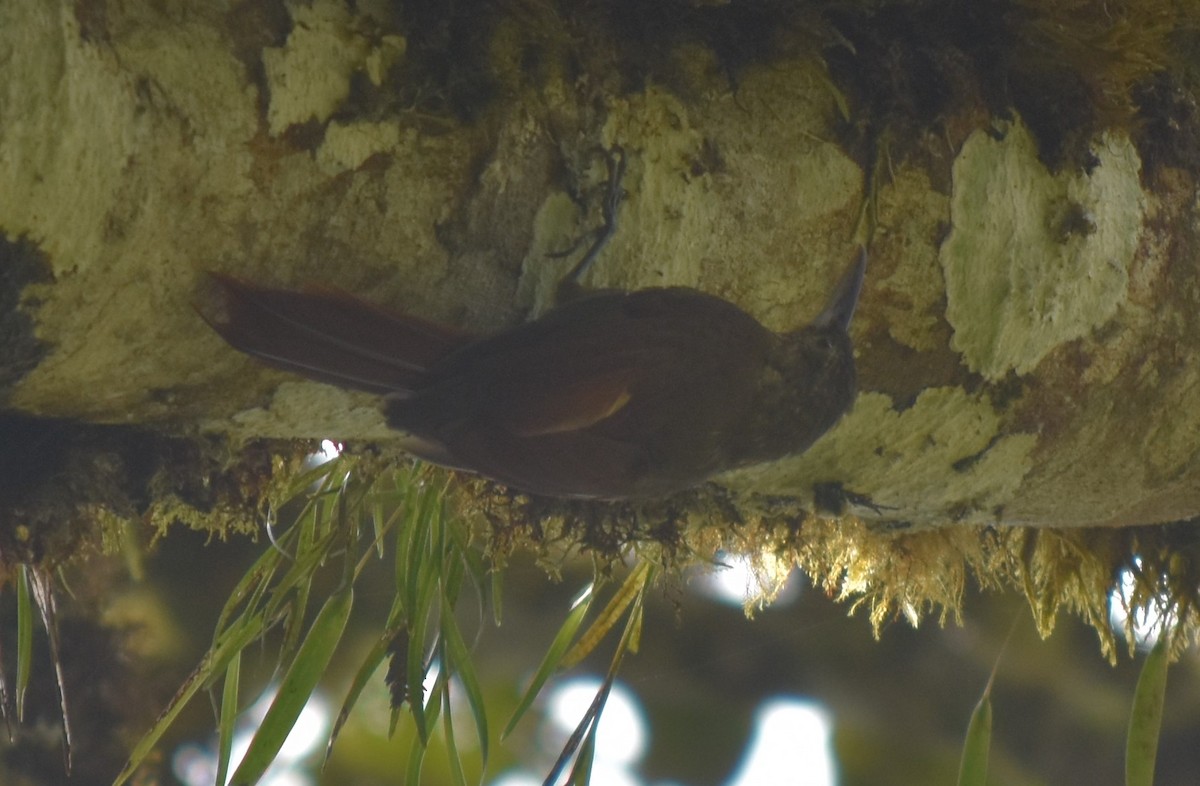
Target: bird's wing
{"x": 571, "y": 406}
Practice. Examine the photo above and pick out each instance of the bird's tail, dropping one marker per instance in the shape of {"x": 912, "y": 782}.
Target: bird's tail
{"x": 327, "y": 335}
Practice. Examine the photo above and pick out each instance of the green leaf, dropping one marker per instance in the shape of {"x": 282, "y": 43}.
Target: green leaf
{"x": 562, "y": 640}
{"x": 418, "y": 629}
{"x": 452, "y": 757}
{"x": 25, "y": 615}
{"x": 581, "y": 773}
{"x": 460, "y": 661}
{"x": 229, "y": 644}
{"x": 497, "y": 596}
{"x": 317, "y": 476}
{"x": 416, "y": 756}
{"x": 229, "y": 712}
{"x": 296, "y": 687}
{"x": 252, "y": 584}
{"x": 362, "y": 677}
{"x": 1145, "y": 721}
{"x": 586, "y": 729}
{"x": 631, "y": 588}
{"x": 972, "y": 769}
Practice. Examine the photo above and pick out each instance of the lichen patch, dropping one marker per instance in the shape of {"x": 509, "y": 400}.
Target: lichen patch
{"x": 902, "y": 459}
{"x": 1036, "y": 259}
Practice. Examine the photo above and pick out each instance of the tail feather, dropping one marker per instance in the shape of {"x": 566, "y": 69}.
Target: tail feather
{"x": 327, "y": 335}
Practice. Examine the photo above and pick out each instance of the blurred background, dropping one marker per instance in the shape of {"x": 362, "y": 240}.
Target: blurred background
{"x": 801, "y": 694}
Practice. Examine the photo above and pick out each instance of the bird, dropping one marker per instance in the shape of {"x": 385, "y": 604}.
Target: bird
{"x": 610, "y": 395}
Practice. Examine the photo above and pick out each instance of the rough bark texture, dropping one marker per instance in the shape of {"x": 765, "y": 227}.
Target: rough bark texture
{"x": 1027, "y": 339}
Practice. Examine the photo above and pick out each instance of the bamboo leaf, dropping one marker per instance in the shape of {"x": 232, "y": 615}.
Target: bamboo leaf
{"x": 630, "y": 588}
{"x": 460, "y": 659}
{"x": 550, "y": 662}
{"x": 317, "y": 476}
{"x": 591, "y": 718}
{"x": 456, "y": 770}
{"x": 231, "y": 642}
{"x": 581, "y": 773}
{"x": 251, "y": 585}
{"x": 296, "y": 687}
{"x": 370, "y": 664}
{"x": 972, "y": 769}
{"x": 228, "y": 719}
{"x": 416, "y": 757}
{"x": 497, "y": 596}
{"x": 1145, "y": 721}
{"x": 588, "y": 724}
{"x": 418, "y": 629}
{"x": 25, "y": 614}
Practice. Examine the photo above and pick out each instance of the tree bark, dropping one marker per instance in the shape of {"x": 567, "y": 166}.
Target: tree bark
{"x": 1027, "y": 341}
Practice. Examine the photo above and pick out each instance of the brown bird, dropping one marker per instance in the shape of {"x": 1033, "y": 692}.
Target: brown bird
{"x": 612, "y": 395}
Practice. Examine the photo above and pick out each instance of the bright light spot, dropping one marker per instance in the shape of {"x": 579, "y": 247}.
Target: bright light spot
{"x": 328, "y": 451}
{"x": 196, "y": 765}
{"x": 309, "y": 733}
{"x": 791, "y": 743}
{"x": 431, "y": 675}
{"x": 621, "y": 737}
{"x": 1146, "y": 622}
{"x": 737, "y": 581}
{"x": 193, "y": 764}
{"x": 517, "y": 779}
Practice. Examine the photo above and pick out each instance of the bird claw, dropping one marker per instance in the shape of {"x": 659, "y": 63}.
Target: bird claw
{"x": 614, "y": 158}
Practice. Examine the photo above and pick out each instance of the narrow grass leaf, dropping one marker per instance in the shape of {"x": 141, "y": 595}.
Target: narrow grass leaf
{"x": 1145, "y": 721}
{"x": 252, "y": 583}
{"x": 586, "y": 729}
{"x": 296, "y": 687}
{"x": 581, "y": 773}
{"x": 460, "y": 659}
{"x": 366, "y": 669}
{"x": 297, "y": 609}
{"x": 379, "y": 519}
{"x": 497, "y": 596}
{"x": 418, "y": 629}
{"x": 591, "y": 719}
{"x": 25, "y": 615}
{"x": 228, "y": 718}
{"x": 317, "y": 476}
{"x": 630, "y": 588}
{"x": 452, "y": 758}
{"x": 972, "y": 769}
{"x": 416, "y": 757}
{"x": 550, "y": 662}
{"x": 229, "y": 644}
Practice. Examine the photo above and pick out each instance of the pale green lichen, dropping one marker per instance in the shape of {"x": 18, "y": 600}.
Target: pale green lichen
{"x": 1036, "y": 259}
{"x": 909, "y": 298}
{"x": 328, "y": 410}
{"x": 347, "y": 145}
{"x": 69, "y": 130}
{"x": 309, "y": 76}
{"x": 923, "y": 463}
